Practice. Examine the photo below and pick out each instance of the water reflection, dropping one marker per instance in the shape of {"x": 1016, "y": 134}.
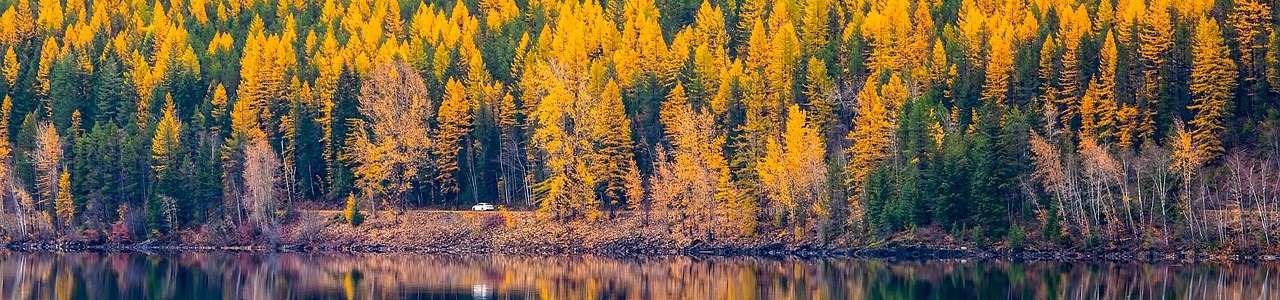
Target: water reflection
{"x": 328, "y": 276}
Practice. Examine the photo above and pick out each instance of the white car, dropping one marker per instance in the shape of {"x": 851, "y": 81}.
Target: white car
{"x": 482, "y": 207}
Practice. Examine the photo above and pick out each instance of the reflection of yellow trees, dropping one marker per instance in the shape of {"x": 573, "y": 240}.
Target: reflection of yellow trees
{"x": 274, "y": 276}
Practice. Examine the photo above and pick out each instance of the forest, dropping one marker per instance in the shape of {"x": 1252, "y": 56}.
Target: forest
{"x": 1077, "y": 123}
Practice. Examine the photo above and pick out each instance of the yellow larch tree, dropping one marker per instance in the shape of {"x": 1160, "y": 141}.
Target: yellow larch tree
{"x": 794, "y": 173}
{"x": 1155, "y": 38}
{"x": 166, "y": 139}
{"x": 821, "y": 91}
{"x": 696, "y": 177}
{"x": 1100, "y": 122}
{"x": 47, "y": 157}
{"x": 65, "y": 208}
{"x": 999, "y": 68}
{"x": 871, "y": 138}
{"x": 50, "y": 16}
{"x": 454, "y": 118}
{"x": 11, "y": 67}
{"x": 888, "y": 29}
{"x": 1213, "y": 83}
{"x": 1251, "y": 20}
{"x": 1075, "y": 23}
{"x": 1273, "y": 62}
{"x": 6, "y": 148}
{"x": 815, "y": 26}
{"x": 393, "y": 140}
{"x": 613, "y": 160}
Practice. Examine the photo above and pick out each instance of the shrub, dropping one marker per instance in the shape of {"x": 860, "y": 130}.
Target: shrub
{"x": 1017, "y": 237}
{"x": 308, "y": 229}
{"x": 508, "y": 219}
{"x": 352, "y": 214}
{"x": 120, "y": 232}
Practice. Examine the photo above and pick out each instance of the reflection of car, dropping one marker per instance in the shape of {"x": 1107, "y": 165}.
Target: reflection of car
{"x": 482, "y": 207}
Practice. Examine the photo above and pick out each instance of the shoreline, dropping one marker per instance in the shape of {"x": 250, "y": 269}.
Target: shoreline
{"x": 892, "y": 253}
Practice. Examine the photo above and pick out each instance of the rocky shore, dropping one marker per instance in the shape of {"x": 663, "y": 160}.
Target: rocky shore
{"x": 893, "y": 253}
{"x": 519, "y": 234}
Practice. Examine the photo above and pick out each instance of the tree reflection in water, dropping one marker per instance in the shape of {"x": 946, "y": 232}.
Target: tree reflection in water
{"x": 420, "y": 276}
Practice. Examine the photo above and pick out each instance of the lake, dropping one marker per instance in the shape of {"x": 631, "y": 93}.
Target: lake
{"x": 225, "y": 275}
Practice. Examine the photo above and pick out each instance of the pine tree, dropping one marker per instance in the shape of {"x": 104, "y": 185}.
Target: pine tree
{"x": 1213, "y": 83}
{"x": 337, "y": 115}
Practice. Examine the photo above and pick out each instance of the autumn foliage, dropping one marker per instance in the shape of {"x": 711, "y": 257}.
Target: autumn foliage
{"x": 813, "y": 121}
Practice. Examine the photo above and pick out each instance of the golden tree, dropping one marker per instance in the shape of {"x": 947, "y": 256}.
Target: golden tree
{"x": 1273, "y": 62}
{"x": 1155, "y": 35}
{"x": 611, "y": 131}
{"x": 65, "y": 208}
{"x": 11, "y": 67}
{"x": 455, "y": 123}
{"x": 1251, "y": 20}
{"x": 793, "y": 171}
{"x": 872, "y": 139}
{"x": 393, "y": 139}
{"x": 693, "y": 183}
{"x": 47, "y": 157}
{"x": 6, "y": 148}
{"x": 166, "y": 139}
{"x": 999, "y": 67}
{"x": 821, "y": 91}
{"x": 1213, "y": 83}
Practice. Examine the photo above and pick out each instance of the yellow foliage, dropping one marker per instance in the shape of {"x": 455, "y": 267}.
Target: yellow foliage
{"x": 1213, "y": 83}
{"x": 66, "y": 209}
{"x": 454, "y": 118}
{"x": 11, "y": 67}
{"x": 166, "y": 139}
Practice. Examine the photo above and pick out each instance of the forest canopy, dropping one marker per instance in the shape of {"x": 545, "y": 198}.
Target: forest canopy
{"x": 813, "y": 120}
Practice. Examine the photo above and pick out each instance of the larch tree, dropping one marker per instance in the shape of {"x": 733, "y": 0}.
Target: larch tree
{"x": 821, "y": 91}
{"x": 999, "y": 69}
{"x": 1102, "y": 89}
{"x": 454, "y": 119}
{"x": 66, "y": 209}
{"x": 166, "y": 141}
{"x": 1155, "y": 38}
{"x": 1074, "y": 25}
{"x": 1273, "y": 62}
{"x": 692, "y": 182}
{"x": 611, "y": 131}
{"x": 793, "y": 171}
{"x": 393, "y": 139}
{"x": 871, "y": 140}
{"x": 47, "y": 158}
{"x": 11, "y": 67}
{"x": 1251, "y": 20}
{"x": 1213, "y": 83}
{"x": 6, "y": 147}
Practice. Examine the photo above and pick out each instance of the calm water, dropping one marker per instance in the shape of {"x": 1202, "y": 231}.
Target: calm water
{"x": 396, "y": 276}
